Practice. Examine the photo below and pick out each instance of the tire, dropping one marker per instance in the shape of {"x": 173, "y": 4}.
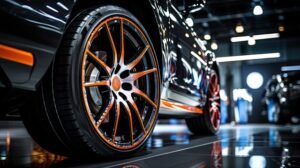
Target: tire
{"x": 209, "y": 121}
{"x": 101, "y": 97}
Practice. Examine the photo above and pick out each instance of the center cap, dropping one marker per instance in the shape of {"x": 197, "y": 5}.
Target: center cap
{"x": 116, "y": 83}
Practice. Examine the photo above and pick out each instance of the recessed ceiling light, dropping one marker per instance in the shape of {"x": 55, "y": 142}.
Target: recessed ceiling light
{"x": 214, "y": 46}
{"x": 281, "y": 28}
{"x": 239, "y": 28}
{"x": 207, "y": 37}
{"x": 258, "y": 10}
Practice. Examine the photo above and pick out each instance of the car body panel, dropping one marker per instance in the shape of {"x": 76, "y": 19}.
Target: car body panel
{"x": 38, "y": 27}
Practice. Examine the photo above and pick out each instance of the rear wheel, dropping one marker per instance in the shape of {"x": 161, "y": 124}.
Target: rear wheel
{"x": 209, "y": 121}
{"x": 102, "y": 96}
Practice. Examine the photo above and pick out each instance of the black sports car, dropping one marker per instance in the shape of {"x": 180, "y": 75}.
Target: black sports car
{"x": 100, "y": 71}
{"x": 281, "y": 98}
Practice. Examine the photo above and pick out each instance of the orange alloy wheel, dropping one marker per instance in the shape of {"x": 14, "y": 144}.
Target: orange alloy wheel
{"x": 120, "y": 83}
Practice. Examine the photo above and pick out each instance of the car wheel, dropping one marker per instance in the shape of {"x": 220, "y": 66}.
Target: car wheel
{"x": 209, "y": 121}
{"x": 102, "y": 95}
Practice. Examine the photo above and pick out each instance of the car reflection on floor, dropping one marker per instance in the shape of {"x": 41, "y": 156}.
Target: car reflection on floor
{"x": 170, "y": 146}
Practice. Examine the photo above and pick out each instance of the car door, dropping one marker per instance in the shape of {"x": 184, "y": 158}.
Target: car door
{"x": 187, "y": 56}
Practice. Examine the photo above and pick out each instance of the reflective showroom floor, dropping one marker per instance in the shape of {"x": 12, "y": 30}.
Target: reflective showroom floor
{"x": 171, "y": 146}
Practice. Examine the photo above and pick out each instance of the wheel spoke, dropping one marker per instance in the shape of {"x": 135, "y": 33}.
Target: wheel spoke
{"x": 215, "y": 88}
{"x": 138, "y": 59}
{"x": 106, "y": 112}
{"x": 141, "y": 93}
{"x": 97, "y": 83}
{"x": 137, "y": 111}
{"x": 116, "y": 121}
{"x": 99, "y": 61}
{"x": 214, "y": 98}
{"x": 112, "y": 43}
{"x": 122, "y": 42}
{"x": 137, "y": 75}
{"x": 216, "y": 119}
{"x": 212, "y": 117}
{"x": 130, "y": 121}
{"x": 211, "y": 109}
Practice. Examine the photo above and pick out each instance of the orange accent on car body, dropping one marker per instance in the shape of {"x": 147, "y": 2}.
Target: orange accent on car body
{"x": 16, "y": 55}
{"x": 181, "y": 107}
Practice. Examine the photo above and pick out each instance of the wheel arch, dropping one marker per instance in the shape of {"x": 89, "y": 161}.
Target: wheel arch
{"x": 138, "y": 9}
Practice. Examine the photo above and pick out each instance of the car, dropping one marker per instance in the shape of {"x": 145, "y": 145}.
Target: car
{"x": 90, "y": 78}
{"x": 281, "y": 98}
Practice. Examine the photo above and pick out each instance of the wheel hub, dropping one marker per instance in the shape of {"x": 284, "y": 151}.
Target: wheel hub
{"x": 116, "y": 83}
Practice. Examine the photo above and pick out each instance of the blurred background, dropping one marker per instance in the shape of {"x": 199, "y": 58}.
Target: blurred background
{"x": 257, "y": 45}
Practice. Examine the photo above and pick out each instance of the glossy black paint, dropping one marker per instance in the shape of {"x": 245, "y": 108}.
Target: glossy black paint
{"x": 38, "y": 27}
{"x": 34, "y": 26}
{"x": 283, "y": 90}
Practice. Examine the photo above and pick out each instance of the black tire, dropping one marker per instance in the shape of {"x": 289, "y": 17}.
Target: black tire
{"x": 202, "y": 124}
{"x": 36, "y": 120}
{"x": 65, "y": 122}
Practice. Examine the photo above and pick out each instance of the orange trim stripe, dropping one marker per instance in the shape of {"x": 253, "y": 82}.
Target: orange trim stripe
{"x": 179, "y": 106}
{"x": 16, "y": 55}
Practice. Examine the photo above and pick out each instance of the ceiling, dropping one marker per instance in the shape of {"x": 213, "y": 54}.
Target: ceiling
{"x": 220, "y": 17}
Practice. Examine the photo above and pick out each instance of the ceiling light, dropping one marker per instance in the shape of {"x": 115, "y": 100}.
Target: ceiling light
{"x": 248, "y": 57}
{"x": 251, "y": 41}
{"x": 214, "y": 46}
{"x": 281, "y": 28}
{"x": 266, "y": 36}
{"x": 258, "y": 10}
{"x": 207, "y": 37}
{"x": 239, "y": 28}
{"x": 291, "y": 68}
{"x": 189, "y": 21}
{"x": 255, "y": 80}
{"x": 256, "y": 37}
{"x": 239, "y": 39}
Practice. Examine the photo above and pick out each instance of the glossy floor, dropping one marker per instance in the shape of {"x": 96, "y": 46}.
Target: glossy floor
{"x": 171, "y": 146}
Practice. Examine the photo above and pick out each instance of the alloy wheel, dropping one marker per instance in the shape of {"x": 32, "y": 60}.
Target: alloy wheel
{"x": 120, "y": 82}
